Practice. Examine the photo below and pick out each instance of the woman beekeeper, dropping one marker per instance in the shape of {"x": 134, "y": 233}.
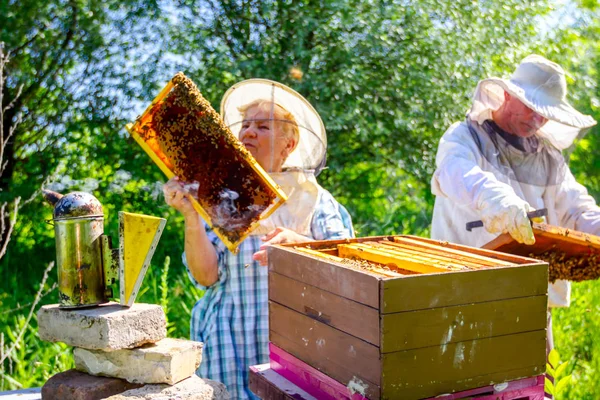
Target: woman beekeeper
{"x": 505, "y": 160}
{"x": 287, "y": 138}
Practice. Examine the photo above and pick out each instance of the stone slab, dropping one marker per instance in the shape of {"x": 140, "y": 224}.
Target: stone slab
{"x": 75, "y": 385}
{"x": 192, "y": 388}
{"x": 166, "y": 361}
{"x": 107, "y": 327}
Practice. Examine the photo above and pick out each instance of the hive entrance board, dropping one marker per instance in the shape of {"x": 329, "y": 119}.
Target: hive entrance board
{"x": 408, "y": 318}
{"x": 571, "y": 255}
{"x": 186, "y": 137}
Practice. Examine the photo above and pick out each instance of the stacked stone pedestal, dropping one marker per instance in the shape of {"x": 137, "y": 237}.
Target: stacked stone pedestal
{"x": 123, "y": 353}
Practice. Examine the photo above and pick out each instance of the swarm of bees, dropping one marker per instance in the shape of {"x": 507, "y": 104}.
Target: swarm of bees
{"x": 572, "y": 268}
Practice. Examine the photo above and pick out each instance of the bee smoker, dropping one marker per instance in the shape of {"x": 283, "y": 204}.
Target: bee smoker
{"x": 88, "y": 266}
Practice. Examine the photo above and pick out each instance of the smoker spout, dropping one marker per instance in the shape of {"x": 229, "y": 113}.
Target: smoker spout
{"x": 51, "y": 197}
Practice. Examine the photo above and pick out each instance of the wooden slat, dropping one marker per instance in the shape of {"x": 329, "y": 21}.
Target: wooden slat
{"x": 373, "y": 255}
{"x": 269, "y": 385}
{"x": 349, "y": 316}
{"x": 348, "y": 263}
{"x": 442, "y": 326}
{"x": 427, "y": 372}
{"x": 438, "y": 254}
{"x": 333, "y": 277}
{"x": 418, "y": 292}
{"x": 472, "y": 251}
{"x": 333, "y": 352}
{"x": 421, "y": 256}
{"x": 458, "y": 254}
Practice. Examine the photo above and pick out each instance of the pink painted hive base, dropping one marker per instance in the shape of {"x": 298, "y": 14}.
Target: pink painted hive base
{"x": 324, "y": 387}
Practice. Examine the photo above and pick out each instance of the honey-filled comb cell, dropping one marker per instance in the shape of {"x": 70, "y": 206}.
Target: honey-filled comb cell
{"x": 186, "y": 137}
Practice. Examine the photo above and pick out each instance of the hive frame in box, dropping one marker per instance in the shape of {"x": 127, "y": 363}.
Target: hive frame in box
{"x": 163, "y": 163}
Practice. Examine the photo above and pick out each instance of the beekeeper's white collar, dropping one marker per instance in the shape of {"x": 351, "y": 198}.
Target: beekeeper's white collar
{"x": 541, "y": 85}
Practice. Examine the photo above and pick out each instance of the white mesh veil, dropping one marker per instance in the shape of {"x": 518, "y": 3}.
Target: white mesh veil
{"x": 541, "y": 85}
{"x": 310, "y": 153}
{"x": 537, "y": 160}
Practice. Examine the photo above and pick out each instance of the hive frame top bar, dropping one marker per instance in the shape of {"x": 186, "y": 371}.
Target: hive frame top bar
{"x": 134, "y": 130}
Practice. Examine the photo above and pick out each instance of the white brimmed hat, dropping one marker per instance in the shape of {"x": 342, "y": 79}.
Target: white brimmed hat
{"x": 310, "y": 153}
{"x": 541, "y": 85}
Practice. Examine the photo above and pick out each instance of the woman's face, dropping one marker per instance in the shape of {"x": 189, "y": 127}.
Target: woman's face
{"x": 265, "y": 139}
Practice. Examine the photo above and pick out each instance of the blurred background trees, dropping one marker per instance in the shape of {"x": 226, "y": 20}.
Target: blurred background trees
{"x": 387, "y": 77}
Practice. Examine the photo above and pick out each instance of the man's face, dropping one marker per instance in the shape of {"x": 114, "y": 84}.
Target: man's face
{"x": 521, "y": 120}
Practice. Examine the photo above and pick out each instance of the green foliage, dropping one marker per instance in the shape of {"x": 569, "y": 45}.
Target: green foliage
{"x": 556, "y": 380}
{"x": 387, "y": 78}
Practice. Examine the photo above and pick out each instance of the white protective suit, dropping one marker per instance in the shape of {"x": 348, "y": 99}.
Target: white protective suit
{"x": 464, "y": 182}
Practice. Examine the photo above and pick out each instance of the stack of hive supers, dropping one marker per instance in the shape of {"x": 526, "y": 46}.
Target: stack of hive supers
{"x": 571, "y": 255}
{"x": 123, "y": 353}
{"x": 407, "y": 317}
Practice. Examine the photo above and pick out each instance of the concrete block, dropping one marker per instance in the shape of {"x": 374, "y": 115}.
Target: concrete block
{"x": 167, "y": 361}
{"x": 107, "y": 327}
{"x": 192, "y": 388}
{"x": 75, "y": 385}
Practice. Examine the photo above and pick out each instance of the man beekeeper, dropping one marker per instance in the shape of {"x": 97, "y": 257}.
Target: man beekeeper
{"x": 505, "y": 160}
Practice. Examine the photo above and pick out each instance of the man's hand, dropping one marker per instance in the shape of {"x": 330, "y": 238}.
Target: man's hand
{"x": 177, "y": 196}
{"x": 276, "y": 236}
{"x": 509, "y": 215}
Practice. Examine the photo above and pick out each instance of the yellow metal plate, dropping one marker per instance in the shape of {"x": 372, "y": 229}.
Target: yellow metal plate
{"x": 138, "y": 237}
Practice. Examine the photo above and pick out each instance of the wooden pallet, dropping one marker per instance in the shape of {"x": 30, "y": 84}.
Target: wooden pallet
{"x": 286, "y": 377}
{"x": 410, "y": 336}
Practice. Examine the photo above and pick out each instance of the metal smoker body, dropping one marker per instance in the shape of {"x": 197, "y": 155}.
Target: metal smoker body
{"x": 84, "y": 271}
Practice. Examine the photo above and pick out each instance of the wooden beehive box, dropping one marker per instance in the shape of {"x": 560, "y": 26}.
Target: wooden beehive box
{"x": 480, "y": 319}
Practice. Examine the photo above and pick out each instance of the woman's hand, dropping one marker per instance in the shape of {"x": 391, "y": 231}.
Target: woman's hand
{"x": 176, "y": 196}
{"x": 276, "y": 236}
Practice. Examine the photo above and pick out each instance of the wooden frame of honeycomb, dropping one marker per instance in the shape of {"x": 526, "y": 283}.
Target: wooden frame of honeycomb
{"x": 571, "y": 255}
{"x": 186, "y": 137}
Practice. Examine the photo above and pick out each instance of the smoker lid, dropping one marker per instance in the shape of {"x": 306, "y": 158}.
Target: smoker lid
{"x": 77, "y": 204}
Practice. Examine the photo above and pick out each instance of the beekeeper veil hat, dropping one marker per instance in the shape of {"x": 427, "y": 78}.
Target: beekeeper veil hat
{"x": 540, "y": 84}
{"x": 310, "y": 153}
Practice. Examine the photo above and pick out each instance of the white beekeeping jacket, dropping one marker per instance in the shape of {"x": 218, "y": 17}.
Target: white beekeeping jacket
{"x": 464, "y": 177}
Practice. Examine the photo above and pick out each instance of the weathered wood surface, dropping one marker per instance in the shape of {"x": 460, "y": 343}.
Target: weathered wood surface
{"x": 386, "y": 258}
{"x": 418, "y": 292}
{"x": 430, "y": 254}
{"x": 442, "y": 326}
{"x": 438, "y": 248}
{"x": 445, "y": 331}
{"x": 514, "y": 259}
{"x": 269, "y": 385}
{"x": 333, "y": 277}
{"x": 426, "y": 372}
{"x": 349, "y": 316}
{"x": 337, "y": 354}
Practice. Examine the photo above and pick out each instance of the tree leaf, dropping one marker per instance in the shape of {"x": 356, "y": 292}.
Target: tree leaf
{"x": 548, "y": 386}
{"x": 554, "y": 358}
{"x": 550, "y": 371}
{"x": 560, "y": 370}
{"x": 562, "y": 384}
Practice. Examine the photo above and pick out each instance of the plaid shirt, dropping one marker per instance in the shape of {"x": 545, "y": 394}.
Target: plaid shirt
{"x": 232, "y": 318}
